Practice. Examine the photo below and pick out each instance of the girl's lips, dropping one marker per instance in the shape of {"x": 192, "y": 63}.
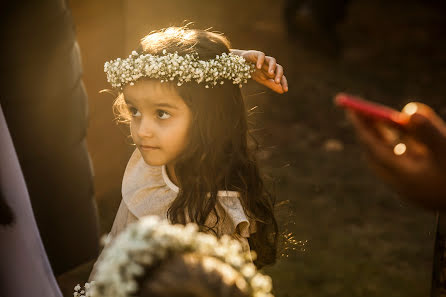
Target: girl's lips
{"x": 148, "y": 147}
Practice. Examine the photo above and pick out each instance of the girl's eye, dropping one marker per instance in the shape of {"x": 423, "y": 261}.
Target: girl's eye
{"x": 134, "y": 112}
{"x": 162, "y": 114}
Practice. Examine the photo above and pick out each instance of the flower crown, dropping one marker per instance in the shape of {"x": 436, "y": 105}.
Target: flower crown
{"x": 185, "y": 68}
{"x": 151, "y": 240}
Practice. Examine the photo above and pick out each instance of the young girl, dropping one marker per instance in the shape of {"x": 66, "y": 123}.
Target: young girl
{"x": 180, "y": 94}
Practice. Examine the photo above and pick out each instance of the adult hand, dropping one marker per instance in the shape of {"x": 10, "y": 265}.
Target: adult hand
{"x": 268, "y": 72}
{"x": 419, "y": 173}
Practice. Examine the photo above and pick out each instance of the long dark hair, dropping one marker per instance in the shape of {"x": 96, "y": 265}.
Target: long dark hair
{"x": 217, "y": 156}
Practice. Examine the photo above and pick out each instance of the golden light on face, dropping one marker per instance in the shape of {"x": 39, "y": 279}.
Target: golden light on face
{"x": 160, "y": 121}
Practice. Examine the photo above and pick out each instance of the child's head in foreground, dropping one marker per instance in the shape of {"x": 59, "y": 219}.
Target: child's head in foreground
{"x": 156, "y": 259}
{"x": 199, "y": 131}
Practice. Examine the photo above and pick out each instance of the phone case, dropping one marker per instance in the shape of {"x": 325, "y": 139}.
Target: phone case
{"x": 370, "y": 109}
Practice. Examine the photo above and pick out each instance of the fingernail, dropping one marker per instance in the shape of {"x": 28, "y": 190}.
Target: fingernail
{"x": 410, "y": 108}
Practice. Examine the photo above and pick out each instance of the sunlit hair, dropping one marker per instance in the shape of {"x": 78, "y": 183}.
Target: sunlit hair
{"x": 217, "y": 156}
{"x": 191, "y": 275}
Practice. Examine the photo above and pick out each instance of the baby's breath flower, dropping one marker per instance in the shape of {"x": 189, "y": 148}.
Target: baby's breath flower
{"x": 121, "y": 72}
{"x": 150, "y": 241}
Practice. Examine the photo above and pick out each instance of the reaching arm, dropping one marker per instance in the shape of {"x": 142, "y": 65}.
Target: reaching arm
{"x": 268, "y": 72}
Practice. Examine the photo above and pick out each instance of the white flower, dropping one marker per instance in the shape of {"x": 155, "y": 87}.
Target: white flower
{"x": 165, "y": 67}
{"x": 261, "y": 282}
{"x": 150, "y": 241}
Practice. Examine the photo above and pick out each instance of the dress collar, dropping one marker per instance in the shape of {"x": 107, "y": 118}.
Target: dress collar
{"x": 167, "y": 180}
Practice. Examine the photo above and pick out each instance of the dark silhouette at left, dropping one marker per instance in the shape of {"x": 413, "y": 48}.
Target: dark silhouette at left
{"x": 45, "y": 106}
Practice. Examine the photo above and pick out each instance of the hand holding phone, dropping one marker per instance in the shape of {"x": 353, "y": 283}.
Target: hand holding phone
{"x": 418, "y": 172}
{"x": 371, "y": 110}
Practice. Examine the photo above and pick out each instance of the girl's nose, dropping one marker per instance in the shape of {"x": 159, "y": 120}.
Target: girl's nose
{"x": 145, "y": 128}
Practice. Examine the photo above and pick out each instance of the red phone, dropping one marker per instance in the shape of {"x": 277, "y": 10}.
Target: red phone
{"x": 370, "y": 109}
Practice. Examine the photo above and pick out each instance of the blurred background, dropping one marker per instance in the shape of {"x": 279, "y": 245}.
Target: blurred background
{"x": 343, "y": 232}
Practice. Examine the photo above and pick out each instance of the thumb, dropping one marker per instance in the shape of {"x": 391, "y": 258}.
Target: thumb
{"x": 271, "y": 84}
{"x": 427, "y": 127}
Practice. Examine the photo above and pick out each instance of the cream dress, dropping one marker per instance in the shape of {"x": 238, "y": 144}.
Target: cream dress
{"x": 147, "y": 190}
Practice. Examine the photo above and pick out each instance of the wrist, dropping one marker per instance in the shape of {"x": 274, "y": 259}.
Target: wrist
{"x": 236, "y": 51}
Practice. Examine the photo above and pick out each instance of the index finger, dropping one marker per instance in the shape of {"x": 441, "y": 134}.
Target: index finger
{"x": 426, "y": 126}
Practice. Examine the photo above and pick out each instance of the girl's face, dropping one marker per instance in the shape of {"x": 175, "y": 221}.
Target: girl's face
{"x": 160, "y": 121}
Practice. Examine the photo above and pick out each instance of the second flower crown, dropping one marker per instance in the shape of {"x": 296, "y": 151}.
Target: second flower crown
{"x": 171, "y": 66}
